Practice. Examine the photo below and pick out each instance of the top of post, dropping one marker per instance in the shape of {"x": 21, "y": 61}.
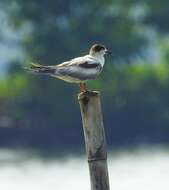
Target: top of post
{"x": 85, "y": 97}
{"x": 88, "y": 94}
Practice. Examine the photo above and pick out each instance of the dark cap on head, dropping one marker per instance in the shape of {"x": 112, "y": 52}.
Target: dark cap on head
{"x": 97, "y": 47}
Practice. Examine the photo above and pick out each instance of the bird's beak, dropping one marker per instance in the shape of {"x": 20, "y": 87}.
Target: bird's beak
{"x": 108, "y": 52}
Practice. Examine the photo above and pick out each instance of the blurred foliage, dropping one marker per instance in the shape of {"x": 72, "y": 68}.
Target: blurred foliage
{"x": 134, "y": 96}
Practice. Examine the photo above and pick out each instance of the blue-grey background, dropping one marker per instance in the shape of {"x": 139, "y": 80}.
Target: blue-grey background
{"x": 40, "y": 116}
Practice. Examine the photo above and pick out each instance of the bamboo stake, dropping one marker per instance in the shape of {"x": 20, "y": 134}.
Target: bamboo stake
{"x": 95, "y": 140}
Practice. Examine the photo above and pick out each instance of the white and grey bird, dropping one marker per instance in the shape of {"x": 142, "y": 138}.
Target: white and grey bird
{"x": 77, "y": 70}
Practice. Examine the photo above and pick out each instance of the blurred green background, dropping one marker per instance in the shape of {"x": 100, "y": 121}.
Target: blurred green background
{"x": 42, "y": 113}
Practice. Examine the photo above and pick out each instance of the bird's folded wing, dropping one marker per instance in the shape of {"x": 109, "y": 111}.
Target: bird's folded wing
{"x": 86, "y": 63}
{"x": 79, "y": 68}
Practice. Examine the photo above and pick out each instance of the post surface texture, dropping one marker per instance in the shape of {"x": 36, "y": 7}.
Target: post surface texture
{"x": 94, "y": 139}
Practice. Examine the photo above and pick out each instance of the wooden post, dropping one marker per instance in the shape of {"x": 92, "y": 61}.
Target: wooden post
{"x": 94, "y": 139}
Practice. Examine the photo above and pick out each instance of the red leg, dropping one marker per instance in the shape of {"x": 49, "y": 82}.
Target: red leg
{"x": 83, "y": 87}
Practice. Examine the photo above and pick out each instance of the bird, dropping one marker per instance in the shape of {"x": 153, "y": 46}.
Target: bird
{"x": 77, "y": 70}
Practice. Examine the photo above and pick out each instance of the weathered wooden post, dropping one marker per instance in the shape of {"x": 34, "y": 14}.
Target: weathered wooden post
{"x": 94, "y": 139}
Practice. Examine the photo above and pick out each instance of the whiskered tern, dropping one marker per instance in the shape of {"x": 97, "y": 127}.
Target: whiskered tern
{"x": 77, "y": 70}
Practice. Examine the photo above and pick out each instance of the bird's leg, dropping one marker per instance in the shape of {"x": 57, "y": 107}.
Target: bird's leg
{"x": 83, "y": 87}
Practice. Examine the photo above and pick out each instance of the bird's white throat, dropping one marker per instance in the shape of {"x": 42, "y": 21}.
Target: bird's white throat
{"x": 99, "y": 57}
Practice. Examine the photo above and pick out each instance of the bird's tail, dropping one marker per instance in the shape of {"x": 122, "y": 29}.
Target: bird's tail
{"x": 40, "y": 69}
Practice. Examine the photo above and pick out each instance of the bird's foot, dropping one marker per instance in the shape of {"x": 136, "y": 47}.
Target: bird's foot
{"x": 85, "y": 91}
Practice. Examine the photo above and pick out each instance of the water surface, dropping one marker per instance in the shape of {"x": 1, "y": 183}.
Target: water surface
{"x": 128, "y": 170}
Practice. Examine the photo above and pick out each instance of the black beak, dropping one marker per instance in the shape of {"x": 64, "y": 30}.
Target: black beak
{"x": 108, "y": 52}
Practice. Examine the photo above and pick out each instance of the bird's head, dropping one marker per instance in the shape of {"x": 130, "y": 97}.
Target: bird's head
{"x": 98, "y": 50}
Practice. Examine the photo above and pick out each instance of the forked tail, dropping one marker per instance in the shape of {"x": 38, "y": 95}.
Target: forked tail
{"x": 40, "y": 69}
